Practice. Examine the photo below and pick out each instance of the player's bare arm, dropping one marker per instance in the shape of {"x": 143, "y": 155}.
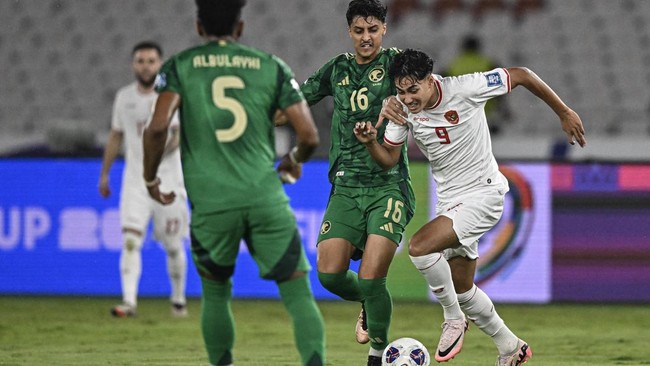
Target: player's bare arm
{"x": 290, "y": 167}
{"x": 392, "y": 110}
{"x": 386, "y": 156}
{"x": 174, "y": 141}
{"x": 280, "y": 119}
{"x": 571, "y": 122}
{"x": 110, "y": 153}
{"x": 154, "y": 139}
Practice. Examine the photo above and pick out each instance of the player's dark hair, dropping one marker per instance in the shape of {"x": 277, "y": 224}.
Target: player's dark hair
{"x": 411, "y": 64}
{"x": 147, "y": 45}
{"x": 219, "y": 17}
{"x": 366, "y": 9}
{"x": 471, "y": 43}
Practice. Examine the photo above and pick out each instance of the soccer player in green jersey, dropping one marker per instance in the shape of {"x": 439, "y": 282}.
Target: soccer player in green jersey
{"x": 368, "y": 207}
{"x": 227, "y": 94}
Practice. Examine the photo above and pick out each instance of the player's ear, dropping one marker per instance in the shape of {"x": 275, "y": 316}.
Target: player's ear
{"x": 430, "y": 80}
{"x": 384, "y": 32}
{"x": 239, "y": 29}
{"x": 199, "y": 28}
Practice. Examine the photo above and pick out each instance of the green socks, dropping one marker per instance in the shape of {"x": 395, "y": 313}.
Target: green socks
{"x": 379, "y": 309}
{"x": 217, "y": 322}
{"x": 308, "y": 325}
{"x": 345, "y": 285}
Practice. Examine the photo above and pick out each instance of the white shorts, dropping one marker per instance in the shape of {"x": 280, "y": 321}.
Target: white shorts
{"x": 170, "y": 222}
{"x": 473, "y": 215}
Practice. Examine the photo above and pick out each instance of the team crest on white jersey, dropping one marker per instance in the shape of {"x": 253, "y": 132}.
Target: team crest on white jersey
{"x": 452, "y": 117}
{"x": 493, "y": 79}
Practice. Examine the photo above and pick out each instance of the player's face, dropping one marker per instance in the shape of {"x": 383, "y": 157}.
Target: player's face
{"x": 146, "y": 64}
{"x": 366, "y": 34}
{"x": 416, "y": 94}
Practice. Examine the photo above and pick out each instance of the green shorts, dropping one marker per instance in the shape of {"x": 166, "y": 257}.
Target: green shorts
{"x": 353, "y": 213}
{"x": 270, "y": 234}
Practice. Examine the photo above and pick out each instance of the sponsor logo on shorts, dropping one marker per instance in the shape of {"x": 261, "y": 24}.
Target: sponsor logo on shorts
{"x": 387, "y": 227}
{"x": 325, "y": 227}
{"x": 455, "y": 207}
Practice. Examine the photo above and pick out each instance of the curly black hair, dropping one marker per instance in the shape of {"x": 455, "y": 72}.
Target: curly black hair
{"x": 219, "y": 17}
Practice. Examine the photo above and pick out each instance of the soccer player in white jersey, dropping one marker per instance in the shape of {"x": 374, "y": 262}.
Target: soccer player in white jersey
{"x": 131, "y": 111}
{"x": 447, "y": 121}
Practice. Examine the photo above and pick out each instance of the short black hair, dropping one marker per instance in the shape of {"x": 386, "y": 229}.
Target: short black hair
{"x": 146, "y": 45}
{"x": 219, "y": 17}
{"x": 366, "y": 9}
{"x": 412, "y": 64}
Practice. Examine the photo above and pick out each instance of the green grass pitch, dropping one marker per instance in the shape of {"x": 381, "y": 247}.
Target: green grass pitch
{"x": 80, "y": 331}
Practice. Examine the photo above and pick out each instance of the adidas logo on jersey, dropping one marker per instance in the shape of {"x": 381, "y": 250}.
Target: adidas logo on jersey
{"x": 387, "y": 227}
{"x": 344, "y": 82}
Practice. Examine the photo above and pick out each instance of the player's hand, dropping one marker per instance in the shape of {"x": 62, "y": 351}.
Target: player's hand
{"x": 365, "y": 132}
{"x": 164, "y": 198}
{"x": 104, "y": 187}
{"x": 392, "y": 110}
{"x": 573, "y": 128}
{"x": 289, "y": 172}
{"x": 280, "y": 119}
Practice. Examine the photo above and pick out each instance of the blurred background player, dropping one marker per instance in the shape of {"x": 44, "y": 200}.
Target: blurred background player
{"x": 454, "y": 136}
{"x": 228, "y": 94}
{"x": 368, "y": 207}
{"x": 131, "y": 111}
{"x": 471, "y": 59}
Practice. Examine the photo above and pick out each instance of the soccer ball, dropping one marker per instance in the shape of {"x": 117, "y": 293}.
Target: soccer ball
{"x": 405, "y": 352}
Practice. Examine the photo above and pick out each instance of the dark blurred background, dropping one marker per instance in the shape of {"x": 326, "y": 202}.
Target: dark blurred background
{"x": 63, "y": 61}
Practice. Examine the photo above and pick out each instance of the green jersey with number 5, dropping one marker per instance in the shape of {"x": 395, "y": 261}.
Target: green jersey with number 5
{"x": 358, "y": 91}
{"x": 229, "y": 94}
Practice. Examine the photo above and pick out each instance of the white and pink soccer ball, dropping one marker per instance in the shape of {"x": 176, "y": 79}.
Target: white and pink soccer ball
{"x": 405, "y": 352}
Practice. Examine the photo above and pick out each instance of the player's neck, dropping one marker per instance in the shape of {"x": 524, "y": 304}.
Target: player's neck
{"x": 432, "y": 101}
{"x": 221, "y": 39}
{"x": 143, "y": 89}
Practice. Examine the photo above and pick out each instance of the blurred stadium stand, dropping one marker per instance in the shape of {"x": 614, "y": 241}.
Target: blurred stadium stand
{"x": 63, "y": 61}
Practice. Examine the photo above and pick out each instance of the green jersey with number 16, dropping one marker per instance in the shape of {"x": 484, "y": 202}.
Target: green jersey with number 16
{"x": 229, "y": 94}
{"x": 358, "y": 91}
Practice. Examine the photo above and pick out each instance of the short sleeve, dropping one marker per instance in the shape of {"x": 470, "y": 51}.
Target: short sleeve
{"x": 318, "y": 85}
{"x": 395, "y": 135}
{"x": 482, "y": 86}
{"x": 288, "y": 86}
{"x": 167, "y": 79}
{"x": 116, "y": 120}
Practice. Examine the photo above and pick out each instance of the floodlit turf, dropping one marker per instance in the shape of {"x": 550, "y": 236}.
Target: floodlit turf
{"x": 80, "y": 331}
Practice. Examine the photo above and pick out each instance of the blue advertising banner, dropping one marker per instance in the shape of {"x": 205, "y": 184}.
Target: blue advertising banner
{"x": 59, "y": 236}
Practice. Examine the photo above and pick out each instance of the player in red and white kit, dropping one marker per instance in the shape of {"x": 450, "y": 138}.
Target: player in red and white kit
{"x": 131, "y": 111}
{"x": 447, "y": 120}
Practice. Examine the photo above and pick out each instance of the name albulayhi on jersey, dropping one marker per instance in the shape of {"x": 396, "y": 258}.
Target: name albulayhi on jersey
{"x": 242, "y": 62}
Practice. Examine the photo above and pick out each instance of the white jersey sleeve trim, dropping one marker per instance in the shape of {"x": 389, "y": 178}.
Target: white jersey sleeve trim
{"x": 393, "y": 143}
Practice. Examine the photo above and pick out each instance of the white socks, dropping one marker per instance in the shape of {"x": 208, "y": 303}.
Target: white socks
{"x": 130, "y": 267}
{"x": 480, "y": 309}
{"x": 177, "y": 270}
{"x": 436, "y": 271}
